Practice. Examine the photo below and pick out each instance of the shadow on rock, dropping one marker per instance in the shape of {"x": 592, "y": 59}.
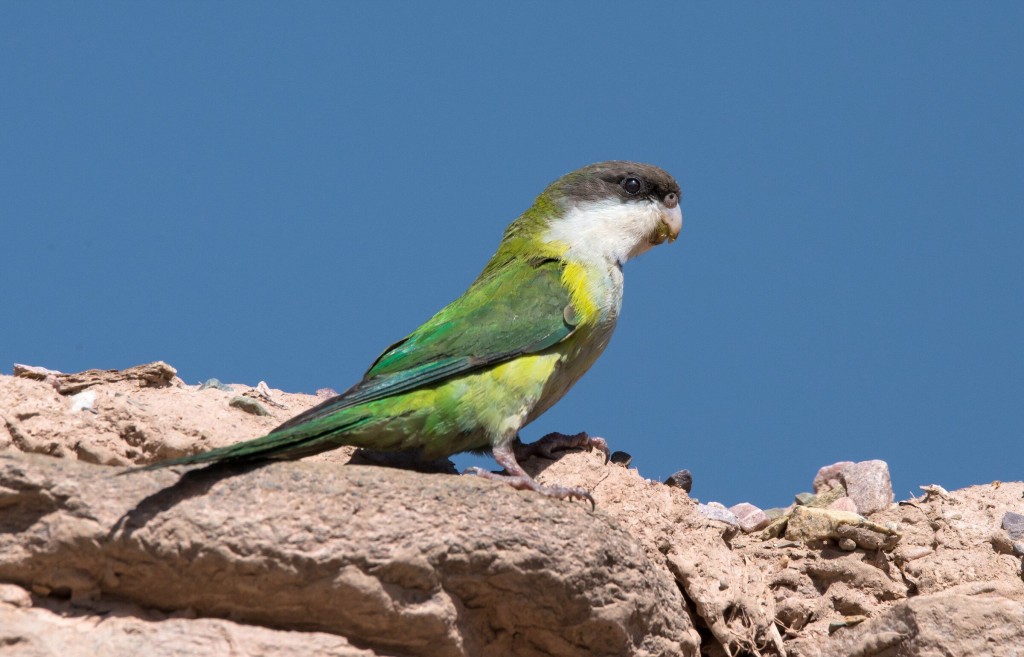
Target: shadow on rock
{"x": 193, "y": 483}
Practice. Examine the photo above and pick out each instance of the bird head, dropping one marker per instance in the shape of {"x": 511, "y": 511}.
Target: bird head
{"x": 607, "y": 212}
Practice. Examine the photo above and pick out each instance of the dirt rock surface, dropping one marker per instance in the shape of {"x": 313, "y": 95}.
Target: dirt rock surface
{"x": 319, "y": 557}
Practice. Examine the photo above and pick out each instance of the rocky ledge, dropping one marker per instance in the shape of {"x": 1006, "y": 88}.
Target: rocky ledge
{"x": 319, "y": 557}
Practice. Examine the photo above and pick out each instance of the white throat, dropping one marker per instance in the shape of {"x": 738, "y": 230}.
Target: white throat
{"x": 610, "y": 231}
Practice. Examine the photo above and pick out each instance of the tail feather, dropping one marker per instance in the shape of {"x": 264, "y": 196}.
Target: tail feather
{"x": 291, "y": 443}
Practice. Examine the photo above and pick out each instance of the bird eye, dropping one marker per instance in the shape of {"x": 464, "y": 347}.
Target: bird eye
{"x": 632, "y": 186}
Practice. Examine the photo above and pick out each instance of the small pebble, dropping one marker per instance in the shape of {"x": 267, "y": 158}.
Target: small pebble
{"x": 248, "y": 405}
{"x": 847, "y": 544}
{"x": 847, "y": 621}
{"x": 83, "y": 401}
{"x": 621, "y": 458}
{"x": 787, "y": 544}
{"x": 804, "y": 499}
{"x": 749, "y": 516}
{"x": 682, "y": 479}
{"x": 934, "y": 489}
{"x": 216, "y": 384}
{"x": 716, "y": 511}
{"x": 911, "y": 552}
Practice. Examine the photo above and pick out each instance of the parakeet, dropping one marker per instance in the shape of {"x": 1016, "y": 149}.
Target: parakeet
{"x": 493, "y": 360}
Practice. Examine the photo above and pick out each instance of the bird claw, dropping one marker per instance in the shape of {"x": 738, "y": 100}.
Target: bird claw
{"x": 547, "y": 445}
{"x": 570, "y": 493}
{"x": 524, "y": 482}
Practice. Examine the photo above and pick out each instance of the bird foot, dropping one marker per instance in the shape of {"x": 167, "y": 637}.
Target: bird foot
{"x": 560, "y": 441}
{"x": 525, "y": 482}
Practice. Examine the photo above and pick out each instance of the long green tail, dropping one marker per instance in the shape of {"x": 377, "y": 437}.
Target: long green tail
{"x": 286, "y": 442}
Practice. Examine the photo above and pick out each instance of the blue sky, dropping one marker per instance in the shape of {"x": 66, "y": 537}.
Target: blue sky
{"x": 278, "y": 191}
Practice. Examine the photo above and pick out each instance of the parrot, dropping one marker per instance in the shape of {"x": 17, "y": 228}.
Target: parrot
{"x": 489, "y": 363}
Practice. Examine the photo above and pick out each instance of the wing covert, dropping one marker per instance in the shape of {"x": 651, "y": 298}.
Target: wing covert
{"x": 523, "y": 308}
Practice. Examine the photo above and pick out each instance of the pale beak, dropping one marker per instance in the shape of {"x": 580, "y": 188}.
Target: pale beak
{"x": 670, "y": 224}
{"x": 673, "y": 220}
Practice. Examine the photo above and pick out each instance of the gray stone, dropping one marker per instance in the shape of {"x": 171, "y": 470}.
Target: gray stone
{"x": 804, "y": 499}
{"x": 248, "y": 405}
{"x": 868, "y": 484}
{"x": 216, "y": 385}
{"x": 717, "y": 511}
{"x": 1013, "y": 523}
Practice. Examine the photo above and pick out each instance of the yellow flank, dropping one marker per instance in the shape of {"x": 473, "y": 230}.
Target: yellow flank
{"x": 501, "y": 397}
{"x": 576, "y": 277}
{"x": 468, "y": 412}
{"x": 524, "y": 372}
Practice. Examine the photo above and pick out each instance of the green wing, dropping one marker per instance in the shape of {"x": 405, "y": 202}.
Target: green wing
{"x": 514, "y": 308}
{"x": 521, "y": 308}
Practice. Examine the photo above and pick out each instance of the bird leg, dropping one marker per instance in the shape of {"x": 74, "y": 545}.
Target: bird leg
{"x": 554, "y": 441}
{"x": 518, "y": 479}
